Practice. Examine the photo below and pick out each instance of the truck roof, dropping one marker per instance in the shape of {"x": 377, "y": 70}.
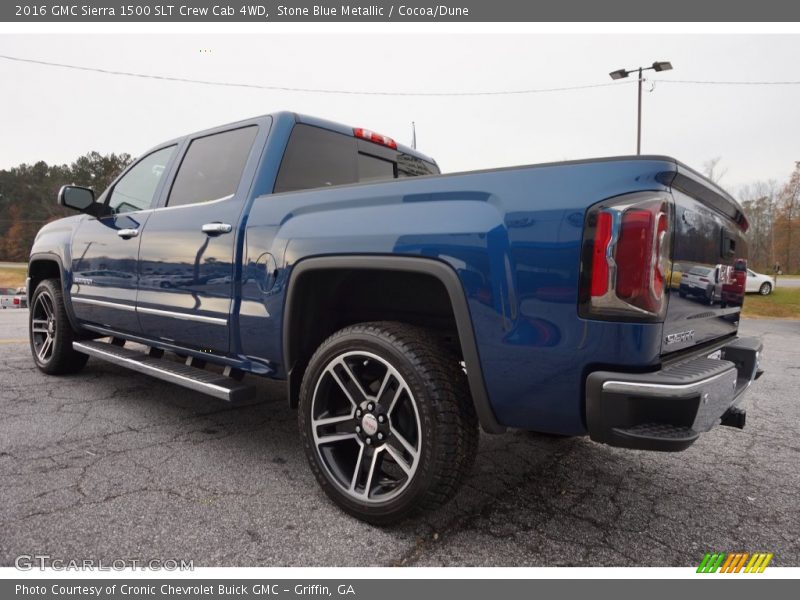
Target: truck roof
{"x": 307, "y": 120}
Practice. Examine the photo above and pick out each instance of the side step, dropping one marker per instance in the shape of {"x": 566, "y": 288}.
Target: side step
{"x": 213, "y": 384}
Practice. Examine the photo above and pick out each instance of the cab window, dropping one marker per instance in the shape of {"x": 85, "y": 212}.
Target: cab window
{"x": 318, "y": 158}
{"x": 137, "y": 188}
{"x": 212, "y": 167}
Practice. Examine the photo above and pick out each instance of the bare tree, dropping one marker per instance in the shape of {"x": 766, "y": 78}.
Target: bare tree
{"x": 712, "y": 169}
{"x": 788, "y": 215}
{"x": 759, "y": 200}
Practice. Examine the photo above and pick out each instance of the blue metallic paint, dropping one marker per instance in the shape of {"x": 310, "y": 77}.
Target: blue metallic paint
{"x": 513, "y": 236}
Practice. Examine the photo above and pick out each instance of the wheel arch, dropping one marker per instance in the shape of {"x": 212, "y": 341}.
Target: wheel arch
{"x": 46, "y": 265}
{"x": 305, "y": 271}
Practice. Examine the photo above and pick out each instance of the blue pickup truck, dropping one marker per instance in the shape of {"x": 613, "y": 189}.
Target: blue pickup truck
{"x": 405, "y": 309}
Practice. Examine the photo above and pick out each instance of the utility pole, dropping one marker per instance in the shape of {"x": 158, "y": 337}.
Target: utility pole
{"x": 639, "y": 120}
{"x": 622, "y": 73}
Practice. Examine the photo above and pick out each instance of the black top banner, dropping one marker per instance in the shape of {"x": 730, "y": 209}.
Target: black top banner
{"x": 403, "y": 11}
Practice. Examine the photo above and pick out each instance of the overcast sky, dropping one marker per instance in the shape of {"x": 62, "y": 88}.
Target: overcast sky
{"x": 56, "y": 115}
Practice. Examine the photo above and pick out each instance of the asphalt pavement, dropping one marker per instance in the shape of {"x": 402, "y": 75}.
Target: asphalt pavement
{"x": 788, "y": 282}
{"x": 109, "y": 464}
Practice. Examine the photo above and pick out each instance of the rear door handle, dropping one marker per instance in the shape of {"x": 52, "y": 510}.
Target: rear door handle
{"x": 127, "y": 234}
{"x": 217, "y": 228}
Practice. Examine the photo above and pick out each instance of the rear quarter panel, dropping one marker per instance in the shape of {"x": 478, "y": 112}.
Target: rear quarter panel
{"x": 514, "y": 238}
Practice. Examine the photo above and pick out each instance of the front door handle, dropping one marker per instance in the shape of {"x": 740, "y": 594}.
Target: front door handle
{"x": 127, "y": 234}
{"x": 217, "y": 228}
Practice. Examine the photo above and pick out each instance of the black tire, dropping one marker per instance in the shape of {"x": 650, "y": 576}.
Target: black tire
{"x": 765, "y": 289}
{"x": 682, "y": 294}
{"x": 426, "y": 381}
{"x": 51, "y": 339}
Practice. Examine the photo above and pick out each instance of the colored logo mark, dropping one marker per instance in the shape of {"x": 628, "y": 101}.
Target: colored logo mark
{"x": 735, "y": 562}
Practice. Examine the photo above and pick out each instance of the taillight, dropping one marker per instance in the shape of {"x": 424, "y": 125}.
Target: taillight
{"x": 626, "y": 260}
{"x": 371, "y": 136}
{"x": 602, "y": 241}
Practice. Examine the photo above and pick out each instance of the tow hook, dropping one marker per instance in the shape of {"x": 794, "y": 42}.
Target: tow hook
{"x": 734, "y": 417}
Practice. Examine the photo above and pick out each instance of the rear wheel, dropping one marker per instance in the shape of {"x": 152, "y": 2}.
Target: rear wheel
{"x": 387, "y": 421}
{"x": 51, "y": 334}
{"x": 765, "y": 289}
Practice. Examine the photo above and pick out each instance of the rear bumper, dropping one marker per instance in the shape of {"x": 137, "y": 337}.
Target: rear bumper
{"x": 668, "y": 409}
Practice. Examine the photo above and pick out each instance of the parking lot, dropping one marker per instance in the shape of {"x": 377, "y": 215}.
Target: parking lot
{"x": 110, "y": 464}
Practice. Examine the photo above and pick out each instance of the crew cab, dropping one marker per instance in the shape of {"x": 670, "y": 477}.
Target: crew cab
{"x": 403, "y": 307}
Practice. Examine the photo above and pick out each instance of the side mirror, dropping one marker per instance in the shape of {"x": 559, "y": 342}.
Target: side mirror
{"x": 76, "y": 197}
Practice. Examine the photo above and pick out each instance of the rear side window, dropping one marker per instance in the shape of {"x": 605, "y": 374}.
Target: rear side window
{"x": 212, "y": 167}
{"x": 317, "y": 158}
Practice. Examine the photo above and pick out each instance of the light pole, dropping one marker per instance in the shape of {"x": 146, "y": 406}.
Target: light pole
{"x": 622, "y": 73}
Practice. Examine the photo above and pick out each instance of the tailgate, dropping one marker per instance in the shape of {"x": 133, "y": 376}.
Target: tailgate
{"x": 709, "y": 264}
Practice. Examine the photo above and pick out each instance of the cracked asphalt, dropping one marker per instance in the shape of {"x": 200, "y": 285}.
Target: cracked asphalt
{"x": 112, "y": 465}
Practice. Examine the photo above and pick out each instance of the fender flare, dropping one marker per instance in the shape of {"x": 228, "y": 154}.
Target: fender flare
{"x": 54, "y": 258}
{"x": 444, "y": 273}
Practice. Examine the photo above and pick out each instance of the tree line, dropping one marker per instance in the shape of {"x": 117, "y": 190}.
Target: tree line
{"x": 28, "y": 196}
{"x": 773, "y": 211}
{"x": 28, "y": 201}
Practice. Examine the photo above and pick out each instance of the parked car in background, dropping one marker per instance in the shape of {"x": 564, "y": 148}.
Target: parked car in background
{"x": 703, "y": 283}
{"x": 4, "y": 294}
{"x": 758, "y": 282}
{"x": 13, "y": 297}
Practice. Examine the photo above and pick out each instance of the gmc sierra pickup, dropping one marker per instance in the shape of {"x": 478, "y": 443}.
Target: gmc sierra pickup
{"x": 405, "y": 308}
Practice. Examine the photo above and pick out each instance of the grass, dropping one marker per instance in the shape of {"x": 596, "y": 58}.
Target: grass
{"x": 782, "y": 303}
{"x": 12, "y": 276}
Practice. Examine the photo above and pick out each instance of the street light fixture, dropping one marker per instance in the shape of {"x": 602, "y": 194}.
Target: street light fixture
{"x": 623, "y": 73}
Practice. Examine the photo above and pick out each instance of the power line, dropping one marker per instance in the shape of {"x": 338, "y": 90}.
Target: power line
{"x": 280, "y": 88}
{"x": 701, "y": 82}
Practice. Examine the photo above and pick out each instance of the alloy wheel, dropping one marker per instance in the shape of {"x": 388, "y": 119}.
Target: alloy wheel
{"x": 43, "y": 327}
{"x": 366, "y": 427}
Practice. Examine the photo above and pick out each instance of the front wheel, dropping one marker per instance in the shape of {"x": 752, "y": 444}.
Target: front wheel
{"x": 765, "y": 289}
{"x": 387, "y": 420}
{"x": 51, "y": 334}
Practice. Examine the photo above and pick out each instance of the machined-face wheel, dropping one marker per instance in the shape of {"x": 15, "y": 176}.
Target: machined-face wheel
{"x": 43, "y": 327}
{"x": 386, "y": 420}
{"x": 765, "y": 289}
{"x": 51, "y": 334}
{"x": 366, "y": 427}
